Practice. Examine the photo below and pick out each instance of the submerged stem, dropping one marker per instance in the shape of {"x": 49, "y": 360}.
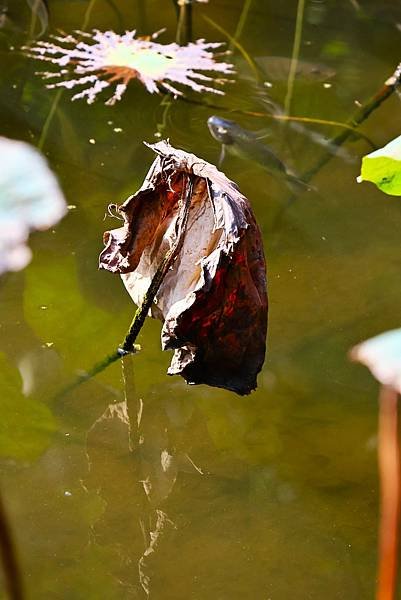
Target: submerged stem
{"x": 295, "y": 55}
{"x": 389, "y": 469}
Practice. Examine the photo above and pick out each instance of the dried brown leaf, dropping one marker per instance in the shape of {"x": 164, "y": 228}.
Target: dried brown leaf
{"x": 213, "y": 300}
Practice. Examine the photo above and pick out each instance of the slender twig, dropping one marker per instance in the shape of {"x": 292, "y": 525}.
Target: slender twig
{"x": 12, "y": 573}
{"x": 184, "y": 24}
{"x": 295, "y": 55}
{"x": 166, "y": 104}
{"x": 241, "y": 22}
{"x": 128, "y": 345}
{"x": 87, "y": 15}
{"x": 58, "y": 96}
{"x": 357, "y": 119}
{"x": 281, "y": 117}
{"x": 353, "y": 122}
{"x": 389, "y": 468}
{"x": 234, "y": 42}
{"x": 49, "y": 118}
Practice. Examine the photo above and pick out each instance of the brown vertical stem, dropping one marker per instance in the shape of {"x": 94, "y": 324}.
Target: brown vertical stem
{"x": 389, "y": 470}
{"x": 12, "y": 574}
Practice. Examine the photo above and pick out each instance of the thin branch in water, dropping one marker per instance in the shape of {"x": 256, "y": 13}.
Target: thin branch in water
{"x": 363, "y": 112}
{"x": 295, "y": 55}
{"x": 128, "y": 345}
{"x": 87, "y": 15}
{"x": 280, "y": 117}
{"x": 184, "y": 23}
{"x": 357, "y": 119}
{"x": 49, "y": 118}
{"x": 165, "y": 104}
{"x": 58, "y": 96}
{"x": 241, "y": 22}
{"x": 389, "y": 469}
{"x": 234, "y": 42}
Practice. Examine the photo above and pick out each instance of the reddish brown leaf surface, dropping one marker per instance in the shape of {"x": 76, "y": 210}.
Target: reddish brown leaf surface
{"x": 213, "y": 302}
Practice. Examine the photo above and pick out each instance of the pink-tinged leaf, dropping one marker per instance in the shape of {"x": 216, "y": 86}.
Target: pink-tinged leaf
{"x": 213, "y": 301}
{"x": 382, "y": 355}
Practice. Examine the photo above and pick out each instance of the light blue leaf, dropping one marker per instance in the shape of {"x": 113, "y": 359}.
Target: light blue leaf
{"x": 30, "y": 198}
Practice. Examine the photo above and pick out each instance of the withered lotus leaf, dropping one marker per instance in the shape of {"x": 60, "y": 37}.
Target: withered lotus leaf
{"x": 213, "y": 301}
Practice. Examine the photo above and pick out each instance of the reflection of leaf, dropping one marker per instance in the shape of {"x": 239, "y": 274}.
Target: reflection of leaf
{"x": 383, "y": 168}
{"x": 382, "y": 355}
{"x": 213, "y": 300}
{"x": 25, "y": 425}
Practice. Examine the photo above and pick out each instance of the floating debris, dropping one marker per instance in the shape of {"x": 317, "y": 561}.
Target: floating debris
{"x": 109, "y": 59}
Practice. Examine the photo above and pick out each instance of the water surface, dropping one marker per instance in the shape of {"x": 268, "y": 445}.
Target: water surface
{"x": 135, "y": 484}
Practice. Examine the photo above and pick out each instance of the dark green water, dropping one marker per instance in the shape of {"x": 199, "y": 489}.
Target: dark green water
{"x": 136, "y": 485}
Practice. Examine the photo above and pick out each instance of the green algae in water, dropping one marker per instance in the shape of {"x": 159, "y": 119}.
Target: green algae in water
{"x": 26, "y": 425}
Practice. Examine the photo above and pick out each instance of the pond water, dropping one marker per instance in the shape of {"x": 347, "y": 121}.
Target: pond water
{"x": 136, "y": 485}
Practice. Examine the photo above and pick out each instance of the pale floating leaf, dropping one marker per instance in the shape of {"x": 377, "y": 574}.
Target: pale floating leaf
{"x": 382, "y": 355}
{"x": 30, "y": 198}
{"x": 383, "y": 168}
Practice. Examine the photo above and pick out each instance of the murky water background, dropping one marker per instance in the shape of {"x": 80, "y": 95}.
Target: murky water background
{"x": 136, "y": 485}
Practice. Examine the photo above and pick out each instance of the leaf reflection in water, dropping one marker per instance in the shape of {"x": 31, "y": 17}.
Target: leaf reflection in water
{"x": 133, "y": 452}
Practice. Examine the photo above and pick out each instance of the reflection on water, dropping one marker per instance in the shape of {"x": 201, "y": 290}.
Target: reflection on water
{"x": 151, "y": 488}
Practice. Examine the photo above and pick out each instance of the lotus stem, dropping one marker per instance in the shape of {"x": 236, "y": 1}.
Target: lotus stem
{"x": 389, "y": 469}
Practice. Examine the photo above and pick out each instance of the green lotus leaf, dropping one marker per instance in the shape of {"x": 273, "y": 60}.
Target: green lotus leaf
{"x": 383, "y": 168}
